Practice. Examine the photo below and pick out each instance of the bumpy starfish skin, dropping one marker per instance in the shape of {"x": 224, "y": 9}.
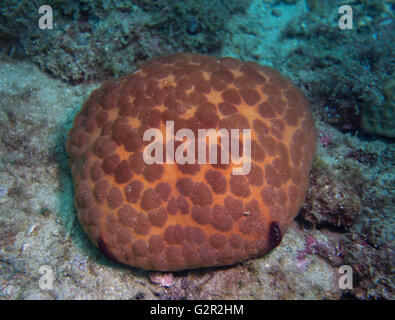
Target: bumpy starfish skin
{"x": 171, "y": 216}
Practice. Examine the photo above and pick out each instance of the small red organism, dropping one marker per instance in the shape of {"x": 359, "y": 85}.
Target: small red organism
{"x": 326, "y": 139}
{"x": 163, "y": 279}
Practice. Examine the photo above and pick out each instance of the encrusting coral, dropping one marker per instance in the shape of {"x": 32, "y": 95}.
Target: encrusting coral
{"x": 182, "y": 216}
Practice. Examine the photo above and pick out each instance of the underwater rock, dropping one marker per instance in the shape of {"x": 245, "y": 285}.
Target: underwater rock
{"x": 380, "y": 119}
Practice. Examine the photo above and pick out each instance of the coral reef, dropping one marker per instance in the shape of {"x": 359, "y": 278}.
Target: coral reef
{"x": 188, "y": 215}
{"x": 347, "y": 73}
{"x": 348, "y": 216}
{"x": 102, "y": 39}
{"x": 351, "y": 195}
{"x": 193, "y": 25}
{"x": 331, "y": 200}
{"x": 380, "y": 119}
